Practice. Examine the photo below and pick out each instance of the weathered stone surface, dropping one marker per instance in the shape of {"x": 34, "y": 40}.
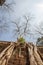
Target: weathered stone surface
{"x": 15, "y": 54}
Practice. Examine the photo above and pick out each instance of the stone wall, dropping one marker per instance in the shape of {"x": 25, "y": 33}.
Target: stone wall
{"x": 15, "y": 54}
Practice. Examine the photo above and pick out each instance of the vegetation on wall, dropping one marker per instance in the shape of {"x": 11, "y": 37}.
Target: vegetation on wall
{"x": 21, "y": 40}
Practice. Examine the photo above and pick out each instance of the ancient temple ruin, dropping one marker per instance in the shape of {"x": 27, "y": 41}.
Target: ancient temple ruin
{"x": 16, "y": 53}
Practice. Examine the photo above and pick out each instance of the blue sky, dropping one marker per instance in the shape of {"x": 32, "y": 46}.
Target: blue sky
{"x": 22, "y": 7}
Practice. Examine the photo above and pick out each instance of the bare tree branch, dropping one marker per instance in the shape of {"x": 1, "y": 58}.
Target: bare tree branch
{"x": 39, "y": 30}
{"x": 2, "y": 2}
{"x": 22, "y": 30}
{"x": 4, "y": 27}
{"x": 6, "y": 5}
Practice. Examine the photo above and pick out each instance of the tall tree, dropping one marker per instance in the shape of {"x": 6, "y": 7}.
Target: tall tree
{"x": 3, "y": 26}
{"x": 6, "y": 5}
{"x": 22, "y": 29}
{"x": 39, "y": 29}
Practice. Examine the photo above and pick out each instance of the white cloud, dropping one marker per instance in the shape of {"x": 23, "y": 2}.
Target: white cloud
{"x": 39, "y": 6}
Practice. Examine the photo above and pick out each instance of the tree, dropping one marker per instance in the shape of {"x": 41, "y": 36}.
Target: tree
{"x": 2, "y": 2}
{"x": 40, "y": 41}
{"x": 39, "y": 32}
{"x": 31, "y": 53}
{"x": 22, "y": 29}
{"x": 5, "y": 5}
{"x": 3, "y": 26}
{"x": 39, "y": 29}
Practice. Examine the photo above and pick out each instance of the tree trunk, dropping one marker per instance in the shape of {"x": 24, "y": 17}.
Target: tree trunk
{"x": 6, "y": 54}
{"x": 32, "y": 56}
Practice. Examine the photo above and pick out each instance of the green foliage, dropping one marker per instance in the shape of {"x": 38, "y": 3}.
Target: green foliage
{"x": 21, "y": 40}
{"x": 39, "y": 41}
